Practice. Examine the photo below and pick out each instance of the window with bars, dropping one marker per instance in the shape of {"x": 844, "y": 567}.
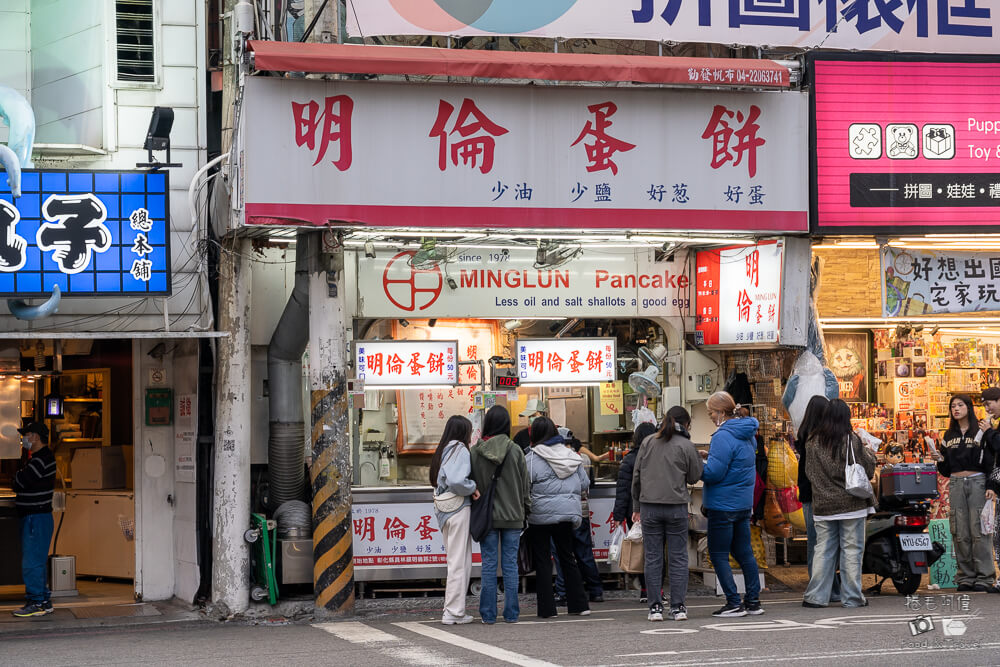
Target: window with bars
{"x": 135, "y": 41}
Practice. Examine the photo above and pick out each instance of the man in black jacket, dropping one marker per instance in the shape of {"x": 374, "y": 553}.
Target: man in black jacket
{"x": 33, "y": 486}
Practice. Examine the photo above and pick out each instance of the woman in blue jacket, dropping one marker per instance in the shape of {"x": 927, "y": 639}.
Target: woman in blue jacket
{"x": 729, "y": 476}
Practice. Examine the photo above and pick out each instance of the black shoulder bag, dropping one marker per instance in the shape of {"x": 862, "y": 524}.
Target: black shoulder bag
{"x": 481, "y": 514}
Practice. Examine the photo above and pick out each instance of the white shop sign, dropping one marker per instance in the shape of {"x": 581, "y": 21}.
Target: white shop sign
{"x": 491, "y": 282}
{"x": 444, "y": 156}
{"x": 406, "y": 535}
{"x": 395, "y": 363}
{"x": 565, "y": 360}
{"x": 739, "y": 294}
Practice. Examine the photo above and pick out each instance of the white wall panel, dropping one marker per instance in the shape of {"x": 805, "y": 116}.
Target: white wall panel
{"x": 180, "y": 46}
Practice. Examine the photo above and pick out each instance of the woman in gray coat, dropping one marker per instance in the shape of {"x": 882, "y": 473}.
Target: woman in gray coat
{"x": 557, "y": 479}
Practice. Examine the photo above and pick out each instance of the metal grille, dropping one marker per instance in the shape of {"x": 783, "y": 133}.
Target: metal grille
{"x": 762, "y": 369}
{"x": 135, "y": 44}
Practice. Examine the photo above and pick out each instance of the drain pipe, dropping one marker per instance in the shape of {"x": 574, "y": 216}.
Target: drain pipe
{"x": 287, "y": 430}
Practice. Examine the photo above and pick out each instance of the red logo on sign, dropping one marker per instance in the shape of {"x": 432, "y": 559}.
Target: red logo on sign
{"x": 417, "y": 290}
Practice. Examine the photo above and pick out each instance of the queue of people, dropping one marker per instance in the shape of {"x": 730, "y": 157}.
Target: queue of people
{"x": 541, "y": 498}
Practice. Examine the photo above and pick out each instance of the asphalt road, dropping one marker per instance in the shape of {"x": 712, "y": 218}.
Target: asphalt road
{"x": 617, "y": 633}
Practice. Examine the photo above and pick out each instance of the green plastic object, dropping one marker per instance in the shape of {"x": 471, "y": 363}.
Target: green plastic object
{"x": 263, "y": 554}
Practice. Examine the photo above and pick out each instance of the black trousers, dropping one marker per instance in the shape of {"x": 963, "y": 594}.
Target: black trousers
{"x": 541, "y": 538}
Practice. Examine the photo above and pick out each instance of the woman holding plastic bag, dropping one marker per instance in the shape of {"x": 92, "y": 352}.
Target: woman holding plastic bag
{"x": 967, "y": 461}
{"x": 833, "y": 455}
{"x": 664, "y": 467}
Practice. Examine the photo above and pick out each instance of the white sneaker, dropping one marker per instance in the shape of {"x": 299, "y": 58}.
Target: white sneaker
{"x": 679, "y": 613}
{"x": 448, "y": 619}
{"x": 585, "y": 612}
{"x": 655, "y": 613}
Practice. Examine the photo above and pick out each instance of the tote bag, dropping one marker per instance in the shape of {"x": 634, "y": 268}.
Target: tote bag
{"x": 857, "y": 482}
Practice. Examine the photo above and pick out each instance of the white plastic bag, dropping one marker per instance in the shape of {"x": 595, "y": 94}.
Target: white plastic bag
{"x": 858, "y": 484}
{"x": 988, "y": 518}
{"x": 615, "y": 546}
{"x": 635, "y": 532}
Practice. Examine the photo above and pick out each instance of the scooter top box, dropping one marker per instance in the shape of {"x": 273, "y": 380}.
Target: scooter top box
{"x": 905, "y": 482}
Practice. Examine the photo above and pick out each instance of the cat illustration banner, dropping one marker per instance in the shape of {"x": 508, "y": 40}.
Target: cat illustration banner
{"x": 848, "y": 358}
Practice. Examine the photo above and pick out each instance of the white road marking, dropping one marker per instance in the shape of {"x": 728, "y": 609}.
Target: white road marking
{"x": 396, "y": 649}
{"x": 699, "y": 650}
{"x": 878, "y": 652}
{"x": 472, "y": 645}
{"x": 356, "y": 633}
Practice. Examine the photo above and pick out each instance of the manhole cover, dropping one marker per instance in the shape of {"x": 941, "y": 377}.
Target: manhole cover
{"x": 111, "y": 611}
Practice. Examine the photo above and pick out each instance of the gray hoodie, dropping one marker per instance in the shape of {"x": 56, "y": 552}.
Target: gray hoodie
{"x": 455, "y": 475}
{"x": 558, "y": 480}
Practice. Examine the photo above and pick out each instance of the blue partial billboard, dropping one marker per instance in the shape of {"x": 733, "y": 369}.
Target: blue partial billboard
{"x": 92, "y": 233}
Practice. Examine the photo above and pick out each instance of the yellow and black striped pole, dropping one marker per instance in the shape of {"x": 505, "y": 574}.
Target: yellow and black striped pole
{"x": 330, "y": 468}
{"x": 333, "y": 565}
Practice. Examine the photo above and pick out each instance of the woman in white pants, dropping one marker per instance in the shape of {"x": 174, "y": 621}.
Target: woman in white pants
{"x": 454, "y": 490}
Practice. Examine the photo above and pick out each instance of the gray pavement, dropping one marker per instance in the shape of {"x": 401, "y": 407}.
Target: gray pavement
{"x": 617, "y": 633}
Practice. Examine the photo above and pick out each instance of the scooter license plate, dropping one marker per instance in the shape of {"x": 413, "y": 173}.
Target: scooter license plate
{"x": 915, "y": 542}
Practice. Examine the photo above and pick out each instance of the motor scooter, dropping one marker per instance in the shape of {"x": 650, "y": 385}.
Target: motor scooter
{"x": 897, "y": 544}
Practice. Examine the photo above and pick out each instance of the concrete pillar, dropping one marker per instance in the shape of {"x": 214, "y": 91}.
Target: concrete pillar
{"x": 330, "y": 471}
{"x": 231, "y": 490}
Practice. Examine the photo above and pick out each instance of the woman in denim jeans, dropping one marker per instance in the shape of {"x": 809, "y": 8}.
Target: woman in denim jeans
{"x": 729, "y": 477}
{"x": 810, "y": 420}
{"x": 838, "y": 516}
{"x": 511, "y": 503}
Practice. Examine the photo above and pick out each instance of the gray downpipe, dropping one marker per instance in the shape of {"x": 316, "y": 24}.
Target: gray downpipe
{"x": 286, "y": 437}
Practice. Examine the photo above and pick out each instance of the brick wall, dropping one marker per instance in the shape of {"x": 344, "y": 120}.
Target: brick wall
{"x": 849, "y": 283}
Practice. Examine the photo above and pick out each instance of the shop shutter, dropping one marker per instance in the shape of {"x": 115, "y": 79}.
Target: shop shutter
{"x": 135, "y": 41}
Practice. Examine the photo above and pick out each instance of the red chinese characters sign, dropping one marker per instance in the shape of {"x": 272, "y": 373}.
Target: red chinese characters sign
{"x": 441, "y": 156}
{"x": 738, "y": 298}
{"x": 406, "y": 363}
{"x": 565, "y": 360}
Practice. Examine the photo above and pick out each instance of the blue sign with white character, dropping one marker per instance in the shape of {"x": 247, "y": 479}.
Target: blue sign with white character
{"x": 92, "y": 233}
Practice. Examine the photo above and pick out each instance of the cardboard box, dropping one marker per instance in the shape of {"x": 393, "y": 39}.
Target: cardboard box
{"x": 98, "y": 468}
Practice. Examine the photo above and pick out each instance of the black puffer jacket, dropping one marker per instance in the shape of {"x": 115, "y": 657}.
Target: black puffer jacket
{"x": 623, "y": 489}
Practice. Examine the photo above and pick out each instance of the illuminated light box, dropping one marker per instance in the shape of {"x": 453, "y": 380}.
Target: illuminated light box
{"x": 566, "y": 360}
{"x": 395, "y": 363}
{"x": 92, "y": 233}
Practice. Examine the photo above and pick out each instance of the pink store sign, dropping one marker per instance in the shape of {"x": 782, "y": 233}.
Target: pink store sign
{"x": 907, "y": 145}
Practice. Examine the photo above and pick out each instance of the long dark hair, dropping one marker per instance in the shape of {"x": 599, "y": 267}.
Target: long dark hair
{"x": 834, "y": 427}
{"x": 541, "y": 430}
{"x": 810, "y": 420}
{"x": 496, "y": 422}
{"x": 680, "y": 416}
{"x": 456, "y": 428}
{"x": 954, "y": 430}
{"x": 642, "y": 431}
{"x": 666, "y": 428}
